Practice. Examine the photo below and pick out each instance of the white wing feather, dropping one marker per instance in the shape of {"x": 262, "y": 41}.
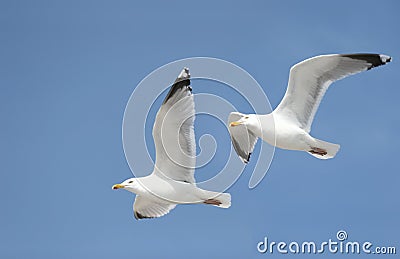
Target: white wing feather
{"x": 146, "y": 208}
{"x": 309, "y": 80}
{"x": 243, "y": 140}
{"x": 173, "y": 133}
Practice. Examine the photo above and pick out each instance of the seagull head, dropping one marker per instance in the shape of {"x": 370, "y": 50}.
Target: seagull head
{"x": 246, "y": 119}
{"x": 130, "y": 184}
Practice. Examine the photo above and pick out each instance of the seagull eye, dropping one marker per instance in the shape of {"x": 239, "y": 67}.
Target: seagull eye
{"x": 246, "y": 117}
{"x": 130, "y": 182}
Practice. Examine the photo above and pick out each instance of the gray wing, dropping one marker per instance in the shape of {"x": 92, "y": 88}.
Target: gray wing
{"x": 173, "y": 132}
{"x": 309, "y": 80}
{"x": 145, "y": 208}
{"x": 243, "y": 140}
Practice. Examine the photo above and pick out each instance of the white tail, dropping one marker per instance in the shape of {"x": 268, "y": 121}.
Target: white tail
{"x": 225, "y": 199}
{"x": 329, "y": 149}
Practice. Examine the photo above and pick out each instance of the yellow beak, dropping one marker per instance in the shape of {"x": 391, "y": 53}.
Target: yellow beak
{"x": 118, "y": 186}
{"x": 235, "y": 123}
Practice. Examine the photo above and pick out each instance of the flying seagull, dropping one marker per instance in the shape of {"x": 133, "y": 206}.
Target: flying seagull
{"x": 172, "y": 180}
{"x": 289, "y": 125}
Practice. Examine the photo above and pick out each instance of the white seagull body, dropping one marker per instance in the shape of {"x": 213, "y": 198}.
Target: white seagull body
{"x": 289, "y": 125}
{"x": 172, "y": 180}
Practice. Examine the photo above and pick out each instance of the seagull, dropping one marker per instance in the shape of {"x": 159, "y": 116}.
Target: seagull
{"x": 172, "y": 181}
{"x": 289, "y": 125}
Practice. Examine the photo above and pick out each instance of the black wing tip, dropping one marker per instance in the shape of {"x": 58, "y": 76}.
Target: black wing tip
{"x": 139, "y": 216}
{"x": 183, "y": 80}
{"x": 185, "y": 74}
{"x": 246, "y": 160}
{"x": 375, "y": 60}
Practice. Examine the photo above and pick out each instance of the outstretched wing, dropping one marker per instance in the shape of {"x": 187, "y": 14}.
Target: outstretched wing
{"x": 145, "y": 208}
{"x": 242, "y": 139}
{"x": 173, "y": 132}
{"x": 309, "y": 80}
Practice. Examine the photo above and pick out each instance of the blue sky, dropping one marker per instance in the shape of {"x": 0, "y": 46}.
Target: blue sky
{"x": 67, "y": 69}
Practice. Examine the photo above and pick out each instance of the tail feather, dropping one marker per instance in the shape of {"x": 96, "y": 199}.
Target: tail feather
{"x": 324, "y": 150}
